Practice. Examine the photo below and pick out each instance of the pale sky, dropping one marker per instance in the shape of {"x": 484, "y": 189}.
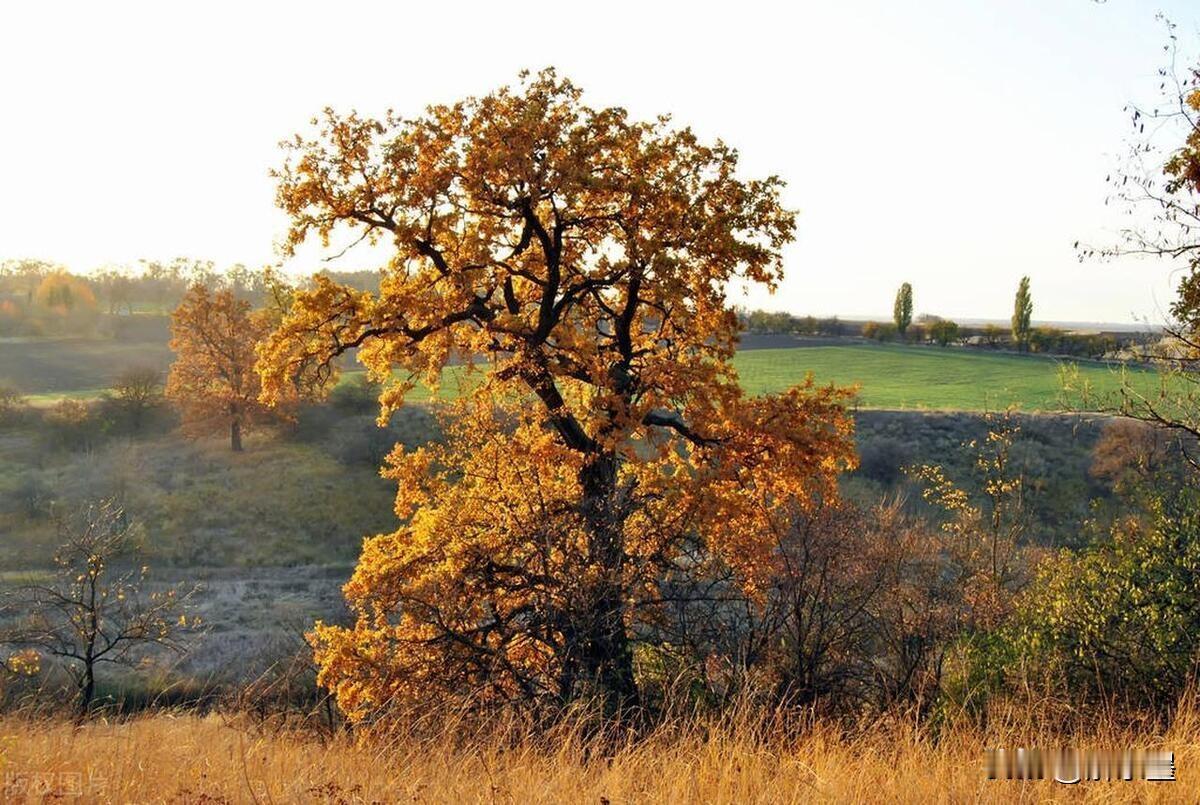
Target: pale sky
{"x": 954, "y": 144}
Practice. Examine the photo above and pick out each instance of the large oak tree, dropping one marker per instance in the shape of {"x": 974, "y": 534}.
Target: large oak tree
{"x": 579, "y": 260}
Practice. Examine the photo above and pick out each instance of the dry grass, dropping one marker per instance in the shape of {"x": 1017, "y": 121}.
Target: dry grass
{"x": 183, "y": 757}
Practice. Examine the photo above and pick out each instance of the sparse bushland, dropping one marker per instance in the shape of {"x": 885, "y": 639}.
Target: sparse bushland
{"x": 897, "y": 690}
{"x": 199, "y": 503}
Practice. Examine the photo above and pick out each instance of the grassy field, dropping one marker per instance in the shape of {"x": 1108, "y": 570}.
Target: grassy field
{"x": 62, "y": 367}
{"x": 889, "y": 376}
{"x": 199, "y": 503}
{"x": 182, "y": 757}
{"x": 907, "y": 377}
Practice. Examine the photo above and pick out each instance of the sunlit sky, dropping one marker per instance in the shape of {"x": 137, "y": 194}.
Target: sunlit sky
{"x": 954, "y": 144}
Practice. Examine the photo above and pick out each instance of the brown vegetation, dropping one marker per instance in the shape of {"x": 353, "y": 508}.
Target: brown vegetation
{"x": 182, "y": 757}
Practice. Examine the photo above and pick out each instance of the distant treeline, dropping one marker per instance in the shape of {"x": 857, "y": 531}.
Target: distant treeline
{"x": 930, "y": 329}
{"x": 43, "y": 298}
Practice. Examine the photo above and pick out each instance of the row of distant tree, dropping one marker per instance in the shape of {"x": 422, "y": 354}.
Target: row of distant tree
{"x": 38, "y": 297}
{"x": 945, "y": 331}
{"x": 931, "y": 329}
{"x": 43, "y": 298}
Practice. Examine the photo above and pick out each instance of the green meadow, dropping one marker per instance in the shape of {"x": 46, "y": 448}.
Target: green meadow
{"x": 888, "y": 376}
{"x": 909, "y": 377}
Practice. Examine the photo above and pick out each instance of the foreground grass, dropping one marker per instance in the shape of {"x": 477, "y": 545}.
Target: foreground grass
{"x": 179, "y": 757}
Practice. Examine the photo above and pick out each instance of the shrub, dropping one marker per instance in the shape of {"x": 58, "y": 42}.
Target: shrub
{"x": 357, "y": 395}
{"x": 12, "y": 404}
{"x": 848, "y": 620}
{"x": 361, "y": 441}
{"x": 73, "y": 425}
{"x": 1124, "y": 614}
{"x": 879, "y": 331}
{"x": 31, "y": 496}
{"x": 884, "y": 459}
{"x": 943, "y": 331}
{"x": 136, "y": 395}
{"x": 1129, "y": 450}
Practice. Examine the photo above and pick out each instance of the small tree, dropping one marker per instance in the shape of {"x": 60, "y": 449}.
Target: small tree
{"x": 1160, "y": 188}
{"x": 65, "y": 303}
{"x": 983, "y": 534}
{"x": 90, "y": 613}
{"x": 849, "y": 615}
{"x": 902, "y": 310}
{"x": 943, "y": 331}
{"x": 213, "y": 380}
{"x": 72, "y": 425}
{"x": 1022, "y": 314}
{"x": 136, "y": 393}
{"x": 116, "y": 289}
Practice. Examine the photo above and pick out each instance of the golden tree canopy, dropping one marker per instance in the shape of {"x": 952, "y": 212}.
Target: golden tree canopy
{"x": 213, "y": 378}
{"x": 583, "y": 259}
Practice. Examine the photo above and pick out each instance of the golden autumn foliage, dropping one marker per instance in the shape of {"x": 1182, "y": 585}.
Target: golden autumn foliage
{"x": 579, "y": 261}
{"x": 1183, "y": 167}
{"x": 63, "y": 294}
{"x": 62, "y": 303}
{"x": 212, "y": 380}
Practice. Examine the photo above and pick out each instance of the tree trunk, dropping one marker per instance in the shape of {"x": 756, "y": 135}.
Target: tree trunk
{"x": 235, "y": 435}
{"x": 88, "y": 691}
{"x": 602, "y": 646}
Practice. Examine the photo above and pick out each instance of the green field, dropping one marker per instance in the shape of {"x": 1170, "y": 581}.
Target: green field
{"x": 889, "y": 376}
{"x": 910, "y": 378}
{"x": 904, "y": 377}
